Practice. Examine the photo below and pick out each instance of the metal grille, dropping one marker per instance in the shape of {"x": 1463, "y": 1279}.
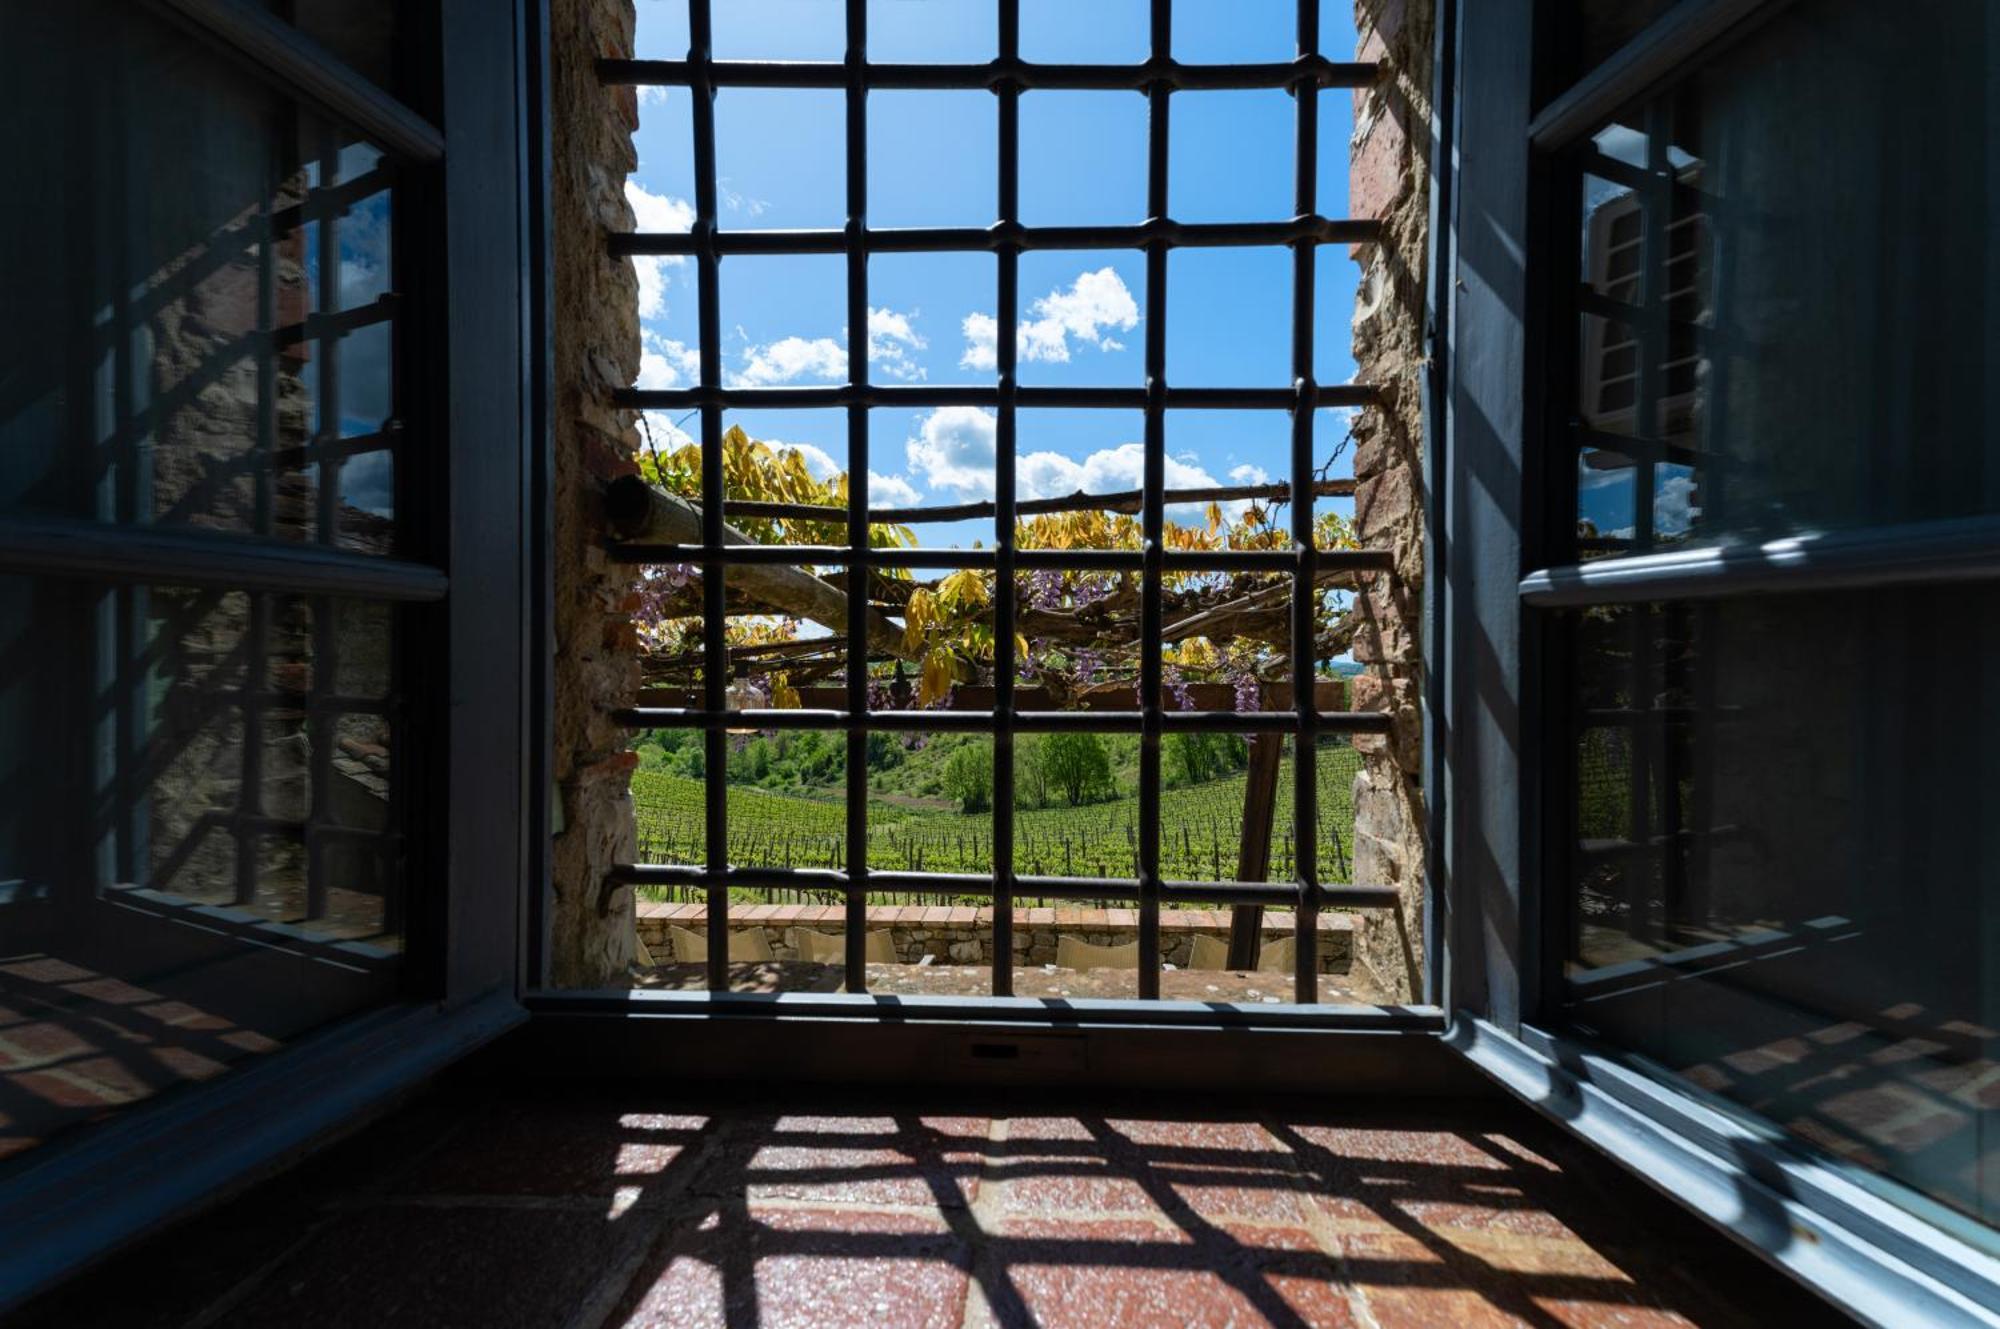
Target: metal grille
{"x": 1159, "y": 77}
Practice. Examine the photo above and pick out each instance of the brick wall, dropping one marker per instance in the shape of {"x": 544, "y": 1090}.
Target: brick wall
{"x": 1388, "y": 179}
{"x": 964, "y": 935}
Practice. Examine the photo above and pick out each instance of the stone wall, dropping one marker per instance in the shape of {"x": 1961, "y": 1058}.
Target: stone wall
{"x": 964, "y": 935}
{"x": 596, "y": 331}
{"x": 1388, "y": 178}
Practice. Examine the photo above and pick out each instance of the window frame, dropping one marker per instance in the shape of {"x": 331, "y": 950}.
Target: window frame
{"x": 1509, "y": 492}
{"x": 474, "y": 196}
{"x": 1007, "y": 76}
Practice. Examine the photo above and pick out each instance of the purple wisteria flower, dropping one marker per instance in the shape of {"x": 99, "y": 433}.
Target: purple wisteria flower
{"x": 1247, "y": 691}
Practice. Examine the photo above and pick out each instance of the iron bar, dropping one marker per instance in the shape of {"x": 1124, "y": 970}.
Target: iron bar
{"x": 715, "y": 678}
{"x": 1006, "y": 505}
{"x": 906, "y": 395}
{"x": 981, "y": 721}
{"x": 1099, "y": 560}
{"x": 849, "y": 708}
{"x": 855, "y": 100}
{"x": 1305, "y": 585}
{"x": 1122, "y": 500}
{"x": 999, "y": 75}
{"x": 1153, "y": 514}
{"x": 1007, "y": 237}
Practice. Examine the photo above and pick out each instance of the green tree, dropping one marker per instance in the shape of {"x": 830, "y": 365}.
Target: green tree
{"x": 968, "y": 777}
{"x": 1197, "y": 758}
{"x": 1031, "y": 777}
{"x": 1076, "y": 764}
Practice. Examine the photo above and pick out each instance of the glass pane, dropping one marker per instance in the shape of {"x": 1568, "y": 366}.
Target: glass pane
{"x": 364, "y": 33}
{"x": 199, "y": 855}
{"x": 169, "y": 353}
{"x": 1783, "y": 880}
{"x": 1594, "y": 30}
{"x": 1787, "y": 355}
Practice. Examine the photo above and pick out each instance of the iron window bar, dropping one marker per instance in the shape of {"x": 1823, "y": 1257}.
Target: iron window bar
{"x": 1158, "y": 77}
{"x": 1011, "y": 237}
{"x": 928, "y": 394}
{"x": 1009, "y": 71}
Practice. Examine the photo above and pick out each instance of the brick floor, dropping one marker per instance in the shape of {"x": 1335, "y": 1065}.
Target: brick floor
{"x": 605, "y": 1207}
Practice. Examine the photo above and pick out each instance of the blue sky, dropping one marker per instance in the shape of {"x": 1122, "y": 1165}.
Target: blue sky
{"x": 932, "y": 162}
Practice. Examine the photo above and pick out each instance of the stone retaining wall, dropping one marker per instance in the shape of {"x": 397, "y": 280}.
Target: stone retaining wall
{"x": 964, "y": 935}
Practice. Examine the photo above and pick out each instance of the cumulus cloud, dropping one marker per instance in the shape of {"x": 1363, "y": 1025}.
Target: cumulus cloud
{"x": 819, "y": 462}
{"x": 953, "y": 449}
{"x": 1088, "y": 310}
{"x": 1109, "y": 470}
{"x": 651, "y": 93}
{"x": 790, "y": 358}
{"x": 666, "y": 363}
{"x": 891, "y": 339}
{"x": 656, "y": 212}
{"x": 982, "y": 340}
{"x": 891, "y": 491}
{"x": 1249, "y": 475}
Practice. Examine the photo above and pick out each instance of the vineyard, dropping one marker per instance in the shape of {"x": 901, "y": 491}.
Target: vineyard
{"x": 1201, "y": 830}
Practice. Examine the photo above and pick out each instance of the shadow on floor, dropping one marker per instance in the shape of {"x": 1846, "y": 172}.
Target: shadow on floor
{"x": 480, "y": 1206}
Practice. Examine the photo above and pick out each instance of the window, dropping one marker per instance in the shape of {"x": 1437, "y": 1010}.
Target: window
{"x": 1023, "y": 339}
{"x": 208, "y": 516}
{"x": 1773, "y": 467}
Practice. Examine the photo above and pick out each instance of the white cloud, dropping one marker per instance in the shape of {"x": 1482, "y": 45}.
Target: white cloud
{"x": 1250, "y": 475}
{"x": 891, "y": 491}
{"x": 666, "y": 363}
{"x": 1093, "y": 302}
{"x": 1093, "y": 305}
{"x": 657, "y": 429}
{"x": 1109, "y": 470}
{"x": 953, "y": 449}
{"x": 891, "y": 338}
{"x": 651, "y": 93}
{"x": 1674, "y": 508}
{"x": 819, "y": 462}
{"x": 790, "y": 358}
{"x": 656, "y": 212}
{"x": 982, "y": 338}
{"x": 736, "y": 202}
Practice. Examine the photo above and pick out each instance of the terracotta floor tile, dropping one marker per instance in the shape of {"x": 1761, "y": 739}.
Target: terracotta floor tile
{"x": 792, "y": 1267}
{"x": 549, "y": 1149}
{"x": 1109, "y": 1274}
{"x": 387, "y": 1267}
{"x": 919, "y": 1161}
{"x": 1147, "y": 1167}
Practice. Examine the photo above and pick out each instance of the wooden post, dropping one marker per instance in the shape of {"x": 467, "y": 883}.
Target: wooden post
{"x": 1253, "y": 855}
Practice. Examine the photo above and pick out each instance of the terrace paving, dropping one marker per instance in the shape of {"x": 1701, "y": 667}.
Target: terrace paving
{"x": 1030, "y": 980}
{"x": 599, "y": 1206}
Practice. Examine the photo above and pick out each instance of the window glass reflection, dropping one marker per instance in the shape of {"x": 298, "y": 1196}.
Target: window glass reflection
{"x": 1784, "y": 884}
{"x": 204, "y": 336}
{"x": 1782, "y": 353}
{"x": 200, "y": 857}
